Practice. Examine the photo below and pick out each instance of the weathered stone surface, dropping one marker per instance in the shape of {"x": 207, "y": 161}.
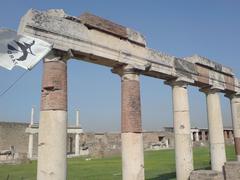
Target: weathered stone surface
{"x": 232, "y": 170}
{"x": 196, "y": 59}
{"x": 12, "y": 134}
{"x": 206, "y": 175}
{"x": 237, "y": 86}
{"x": 105, "y": 25}
{"x": 184, "y": 68}
{"x": 213, "y": 74}
{"x": 93, "y": 21}
{"x": 98, "y": 45}
{"x": 203, "y": 78}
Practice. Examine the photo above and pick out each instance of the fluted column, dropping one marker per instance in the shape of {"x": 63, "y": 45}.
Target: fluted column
{"x": 131, "y": 126}
{"x": 215, "y": 126}
{"x": 182, "y": 130}
{"x": 52, "y": 142}
{"x": 235, "y": 108}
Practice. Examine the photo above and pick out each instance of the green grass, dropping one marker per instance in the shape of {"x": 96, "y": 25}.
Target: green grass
{"x": 158, "y": 165}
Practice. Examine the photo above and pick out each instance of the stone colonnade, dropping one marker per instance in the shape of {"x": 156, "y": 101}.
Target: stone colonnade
{"x": 54, "y": 116}
{"x": 33, "y": 129}
{"x": 100, "y": 41}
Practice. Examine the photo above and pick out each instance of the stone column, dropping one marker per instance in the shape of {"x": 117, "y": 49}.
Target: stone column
{"x": 197, "y": 136}
{"x": 215, "y": 126}
{"x": 203, "y": 136}
{"x": 77, "y": 136}
{"x": 131, "y": 126}
{"x": 167, "y": 143}
{"x": 30, "y": 140}
{"x": 235, "y": 107}
{"x": 192, "y": 136}
{"x": 182, "y": 130}
{"x": 52, "y": 142}
{"x": 225, "y": 134}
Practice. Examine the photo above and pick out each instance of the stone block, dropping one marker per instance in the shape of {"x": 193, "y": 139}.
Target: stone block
{"x": 206, "y": 175}
{"x": 232, "y": 170}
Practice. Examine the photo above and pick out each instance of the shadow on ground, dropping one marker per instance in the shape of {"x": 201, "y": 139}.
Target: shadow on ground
{"x": 166, "y": 176}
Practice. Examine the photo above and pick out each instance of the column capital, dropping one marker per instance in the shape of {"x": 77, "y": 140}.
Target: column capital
{"x": 181, "y": 82}
{"x": 125, "y": 69}
{"x": 232, "y": 95}
{"x": 56, "y": 55}
{"x": 209, "y": 90}
{"x": 127, "y": 72}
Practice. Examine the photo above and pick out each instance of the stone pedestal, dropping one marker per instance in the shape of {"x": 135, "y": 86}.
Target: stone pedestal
{"x": 206, "y": 175}
{"x": 52, "y": 146}
{"x": 232, "y": 170}
{"x": 215, "y": 125}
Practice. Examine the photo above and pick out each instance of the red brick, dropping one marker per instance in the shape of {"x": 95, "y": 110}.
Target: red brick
{"x": 54, "y": 86}
{"x": 131, "y": 106}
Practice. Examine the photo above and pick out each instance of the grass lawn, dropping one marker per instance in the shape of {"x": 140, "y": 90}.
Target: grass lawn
{"x": 158, "y": 165}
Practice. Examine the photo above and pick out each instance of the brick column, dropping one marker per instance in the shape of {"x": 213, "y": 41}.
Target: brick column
{"x": 182, "y": 130}
{"x": 52, "y": 142}
{"x": 215, "y": 126}
{"x": 131, "y": 126}
{"x": 235, "y": 107}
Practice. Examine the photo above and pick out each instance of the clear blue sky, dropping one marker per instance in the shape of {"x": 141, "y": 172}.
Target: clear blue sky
{"x": 179, "y": 28}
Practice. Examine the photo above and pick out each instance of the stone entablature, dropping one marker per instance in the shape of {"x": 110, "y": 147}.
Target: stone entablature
{"x": 80, "y": 36}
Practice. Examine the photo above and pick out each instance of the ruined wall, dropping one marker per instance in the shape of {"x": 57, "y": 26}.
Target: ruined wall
{"x": 98, "y": 144}
{"x": 108, "y": 144}
{"x": 13, "y": 134}
{"x": 154, "y": 137}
